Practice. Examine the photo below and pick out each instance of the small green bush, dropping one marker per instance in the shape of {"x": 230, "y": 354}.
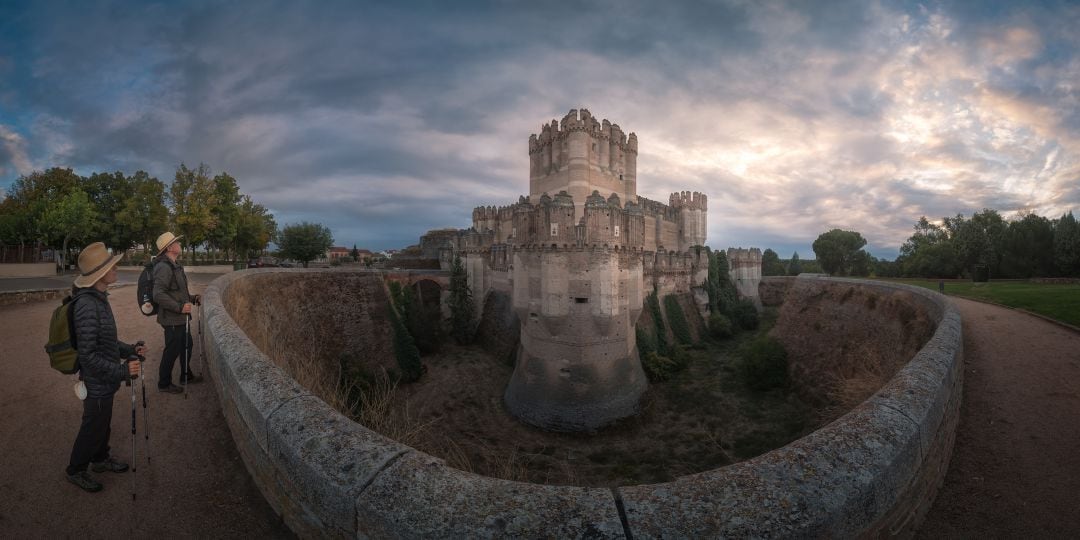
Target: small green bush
{"x": 744, "y": 314}
{"x": 658, "y": 368}
{"x": 764, "y": 364}
{"x": 720, "y": 326}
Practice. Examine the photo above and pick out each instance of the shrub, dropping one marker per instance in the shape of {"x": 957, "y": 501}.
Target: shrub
{"x": 744, "y": 314}
{"x": 677, "y": 320}
{"x": 658, "y": 321}
{"x": 405, "y": 351}
{"x": 645, "y": 342}
{"x": 657, "y": 367}
{"x": 764, "y": 364}
{"x": 720, "y": 326}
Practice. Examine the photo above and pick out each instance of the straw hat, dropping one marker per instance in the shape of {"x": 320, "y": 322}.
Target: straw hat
{"x": 165, "y": 240}
{"x": 94, "y": 263}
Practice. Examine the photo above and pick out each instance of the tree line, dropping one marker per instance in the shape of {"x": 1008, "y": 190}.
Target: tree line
{"x": 960, "y": 247}
{"x": 1028, "y": 246}
{"x": 57, "y": 207}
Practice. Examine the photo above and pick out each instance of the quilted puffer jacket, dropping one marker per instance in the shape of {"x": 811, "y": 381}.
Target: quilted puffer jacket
{"x": 100, "y": 353}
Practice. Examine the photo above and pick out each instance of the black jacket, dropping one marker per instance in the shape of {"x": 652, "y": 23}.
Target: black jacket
{"x": 100, "y": 353}
{"x": 170, "y": 292}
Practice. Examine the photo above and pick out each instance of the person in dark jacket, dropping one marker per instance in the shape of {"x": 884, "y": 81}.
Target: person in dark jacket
{"x": 101, "y": 368}
{"x": 174, "y": 309}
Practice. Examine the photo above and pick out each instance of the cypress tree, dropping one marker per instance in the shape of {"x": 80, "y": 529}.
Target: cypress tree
{"x": 462, "y": 311}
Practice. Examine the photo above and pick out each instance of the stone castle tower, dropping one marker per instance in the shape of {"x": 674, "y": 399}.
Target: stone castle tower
{"x": 581, "y": 155}
{"x": 579, "y": 247}
{"x": 576, "y": 259}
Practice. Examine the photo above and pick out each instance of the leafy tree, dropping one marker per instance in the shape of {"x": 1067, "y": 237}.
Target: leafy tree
{"x": 977, "y": 241}
{"x": 862, "y": 263}
{"x": 837, "y": 250}
{"x": 929, "y": 252}
{"x": 143, "y": 215}
{"x": 71, "y": 217}
{"x": 305, "y": 242}
{"x": 462, "y": 310}
{"x": 255, "y": 227}
{"x": 225, "y": 213}
{"x": 1028, "y": 248}
{"x": 109, "y": 192}
{"x": 1067, "y": 245}
{"x": 771, "y": 265}
{"x": 193, "y": 198}
{"x": 795, "y": 266}
{"x": 31, "y": 195}
{"x": 884, "y": 268}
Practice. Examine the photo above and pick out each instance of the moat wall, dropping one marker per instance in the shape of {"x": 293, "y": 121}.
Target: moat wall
{"x": 874, "y": 471}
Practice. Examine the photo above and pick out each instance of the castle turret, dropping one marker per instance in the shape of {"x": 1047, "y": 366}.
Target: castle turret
{"x": 580, "y": 155}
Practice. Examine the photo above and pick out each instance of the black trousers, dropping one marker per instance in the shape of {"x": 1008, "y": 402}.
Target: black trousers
{"x": 92, "y": 442}
{"x": 174, "y": 348}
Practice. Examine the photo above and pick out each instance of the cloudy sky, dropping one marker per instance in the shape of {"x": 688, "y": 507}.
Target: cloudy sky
{"x": 382, "y": 120}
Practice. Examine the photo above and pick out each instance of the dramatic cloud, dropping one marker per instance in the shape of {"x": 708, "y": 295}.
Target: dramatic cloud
{"x": 383, "y": 122}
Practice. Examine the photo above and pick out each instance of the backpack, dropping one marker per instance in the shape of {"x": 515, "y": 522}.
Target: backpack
{"x": 145, "y": 290}
{"x": 62, "y": 347}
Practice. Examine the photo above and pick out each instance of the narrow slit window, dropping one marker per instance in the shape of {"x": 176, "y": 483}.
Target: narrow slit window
{"x": 554, "y": 229}
{"x": 581, "y": 300}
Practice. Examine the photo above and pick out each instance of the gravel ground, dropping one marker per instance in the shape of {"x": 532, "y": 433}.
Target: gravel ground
{"x": 195, "y": 484}
{"x": 1015, "y": 470}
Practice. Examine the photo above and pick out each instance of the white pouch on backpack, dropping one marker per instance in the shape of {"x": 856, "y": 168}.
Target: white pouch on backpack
{"x": 80, "y": 390}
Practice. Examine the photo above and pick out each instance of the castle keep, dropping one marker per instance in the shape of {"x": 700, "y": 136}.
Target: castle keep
{"x": 577, "y": 256}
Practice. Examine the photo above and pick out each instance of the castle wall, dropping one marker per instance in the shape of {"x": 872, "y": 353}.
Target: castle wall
{"x": 745, "y": 270}
{"x": 577, "y": 366}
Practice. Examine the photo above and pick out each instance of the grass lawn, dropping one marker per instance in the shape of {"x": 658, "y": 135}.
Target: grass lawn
{"x": 1061, "y": 302}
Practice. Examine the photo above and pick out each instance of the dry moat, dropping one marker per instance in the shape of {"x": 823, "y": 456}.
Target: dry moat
{"x": 842, "y": 343}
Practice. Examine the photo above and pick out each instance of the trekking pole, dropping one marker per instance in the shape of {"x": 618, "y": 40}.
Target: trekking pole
{"x": 185, "y": 358}
{"x": 134, "y": 456}
{"x": 145, "y": 410}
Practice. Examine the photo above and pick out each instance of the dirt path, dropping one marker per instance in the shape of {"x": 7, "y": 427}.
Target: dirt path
{"x": 195, "y": 486}
{"x": 1015, "y": 470}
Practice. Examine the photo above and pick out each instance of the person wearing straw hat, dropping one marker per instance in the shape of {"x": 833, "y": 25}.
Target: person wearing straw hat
{"x": 101, "y": 368}
{"x": 174, "y": 307}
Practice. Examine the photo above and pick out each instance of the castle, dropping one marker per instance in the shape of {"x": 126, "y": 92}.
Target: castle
{"x": 578, "y": 257}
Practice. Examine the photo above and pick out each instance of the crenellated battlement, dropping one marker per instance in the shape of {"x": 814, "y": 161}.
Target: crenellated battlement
{"x": 581, "y": 121}
{"x": 689, "y": 199}
{"x": 658, "y": 210}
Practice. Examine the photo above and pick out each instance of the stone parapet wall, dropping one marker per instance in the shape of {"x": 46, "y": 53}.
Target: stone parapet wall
{"x": 873, "y": 471}
{"x": 45, "y": 269}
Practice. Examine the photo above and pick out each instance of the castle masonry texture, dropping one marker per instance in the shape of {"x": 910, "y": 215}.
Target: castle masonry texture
{"x": 578, "y": 255}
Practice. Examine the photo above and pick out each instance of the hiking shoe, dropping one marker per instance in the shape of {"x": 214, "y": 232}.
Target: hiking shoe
{"x": 83, "y": 480}
{"x": 171, "y": 389}
{"x": 192, "y": 379}
{"x": 110, "y": 465}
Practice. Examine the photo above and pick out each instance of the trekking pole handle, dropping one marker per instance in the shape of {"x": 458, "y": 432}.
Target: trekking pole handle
{"x": 136, "y": 358}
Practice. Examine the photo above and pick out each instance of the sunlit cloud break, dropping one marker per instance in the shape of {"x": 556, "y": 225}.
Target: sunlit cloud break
{"x": 385, "y": 121}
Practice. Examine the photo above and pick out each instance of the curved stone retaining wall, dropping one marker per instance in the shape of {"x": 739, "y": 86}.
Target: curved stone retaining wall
{"x": 873, "y": 471}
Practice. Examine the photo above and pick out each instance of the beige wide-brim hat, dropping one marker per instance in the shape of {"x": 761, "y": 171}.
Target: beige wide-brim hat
{"x": 94, "y": 263}
{"x": 165, "y": 240}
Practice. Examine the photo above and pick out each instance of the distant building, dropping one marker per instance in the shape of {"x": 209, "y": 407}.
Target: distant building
{"x": 338, "y": 253}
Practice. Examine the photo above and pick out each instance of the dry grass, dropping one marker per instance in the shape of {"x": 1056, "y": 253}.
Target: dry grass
{"x": 851, "y": 383}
